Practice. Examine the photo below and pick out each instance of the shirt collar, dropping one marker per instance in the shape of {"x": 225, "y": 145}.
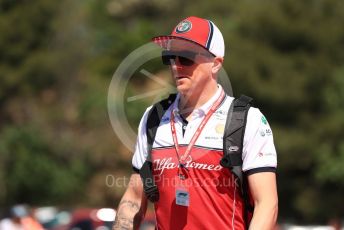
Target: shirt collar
{"x": 206, "y": 106}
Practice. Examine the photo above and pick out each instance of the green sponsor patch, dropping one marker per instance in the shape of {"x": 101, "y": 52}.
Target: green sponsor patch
{"x": 264, "y": 121}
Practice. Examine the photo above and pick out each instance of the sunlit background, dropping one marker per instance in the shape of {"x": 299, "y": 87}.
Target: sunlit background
{"x": 57, "y": 58}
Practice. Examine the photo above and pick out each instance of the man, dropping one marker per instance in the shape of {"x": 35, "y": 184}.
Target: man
{"x": 196, "y": 192}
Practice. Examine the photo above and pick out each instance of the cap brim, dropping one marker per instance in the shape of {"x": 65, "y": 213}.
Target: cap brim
{"x": 163, "y": 41}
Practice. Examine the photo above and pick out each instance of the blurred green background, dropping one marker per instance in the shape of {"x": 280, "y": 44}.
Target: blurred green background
{"x": 57, "y": 59}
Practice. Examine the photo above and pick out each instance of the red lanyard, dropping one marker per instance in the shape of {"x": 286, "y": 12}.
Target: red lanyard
{"x": 198, "y": 131}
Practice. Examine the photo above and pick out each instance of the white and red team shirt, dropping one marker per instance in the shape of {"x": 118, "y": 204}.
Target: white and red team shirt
{"x": 215, "y": 200}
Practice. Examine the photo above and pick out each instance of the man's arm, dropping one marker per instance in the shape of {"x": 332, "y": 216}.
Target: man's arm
{"x": 133, "y": 206}
{"x": 264, "y": 193}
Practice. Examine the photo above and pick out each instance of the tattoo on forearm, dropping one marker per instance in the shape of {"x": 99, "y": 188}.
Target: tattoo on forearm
{"x": 132, "y": 205}
{"x": 125, "y": 215}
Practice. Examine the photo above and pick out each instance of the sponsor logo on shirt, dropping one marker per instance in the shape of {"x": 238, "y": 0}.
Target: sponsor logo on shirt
{"x": 220, "y": 128}
{"x": 266, "y": 154}
{"x": 168, "y": 164}
{"x": 265, "y": 132}
{"x": 268, "y": 132}
{"x": 221, "y": 112}
{"x": 212, "y": 138}
{"x": 264, "y": 121}
{"x": 220, "y": 115}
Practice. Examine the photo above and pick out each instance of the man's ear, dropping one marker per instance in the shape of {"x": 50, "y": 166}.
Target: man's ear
{"x": 217, "y": 65}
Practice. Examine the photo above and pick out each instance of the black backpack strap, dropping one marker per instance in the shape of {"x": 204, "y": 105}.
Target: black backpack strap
{"x": 153, "y": 122}
{"x": 233, "y": 139}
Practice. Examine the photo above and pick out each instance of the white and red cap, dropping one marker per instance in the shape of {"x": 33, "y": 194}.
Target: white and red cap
{"x": 198, "y": 30}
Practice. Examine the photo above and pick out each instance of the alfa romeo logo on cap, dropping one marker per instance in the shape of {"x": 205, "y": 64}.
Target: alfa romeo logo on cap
{"x": 183, "y": 26}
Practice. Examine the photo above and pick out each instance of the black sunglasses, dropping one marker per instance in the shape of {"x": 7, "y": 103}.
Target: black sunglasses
{"x": 186, "y": 58}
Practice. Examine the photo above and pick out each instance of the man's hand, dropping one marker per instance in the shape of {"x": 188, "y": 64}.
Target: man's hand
{"x": 133, "y": 206}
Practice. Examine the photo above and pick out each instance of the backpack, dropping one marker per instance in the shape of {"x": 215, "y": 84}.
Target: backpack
{"x": 232, "y": 147}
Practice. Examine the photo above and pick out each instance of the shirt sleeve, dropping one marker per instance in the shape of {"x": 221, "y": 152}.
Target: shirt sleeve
{"x": 259, "y": 153}
{"x": 140, "y": 153}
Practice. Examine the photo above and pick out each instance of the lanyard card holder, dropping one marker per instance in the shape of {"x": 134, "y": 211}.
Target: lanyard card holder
{"x": 182, "y": 197}
{"x": 182, "y": 194}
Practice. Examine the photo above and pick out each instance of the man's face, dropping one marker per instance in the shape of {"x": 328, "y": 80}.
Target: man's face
{"x": 191, "y": 65}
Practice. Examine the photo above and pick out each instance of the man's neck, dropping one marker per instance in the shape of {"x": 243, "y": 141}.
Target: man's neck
{"x": 190, "y": 102}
